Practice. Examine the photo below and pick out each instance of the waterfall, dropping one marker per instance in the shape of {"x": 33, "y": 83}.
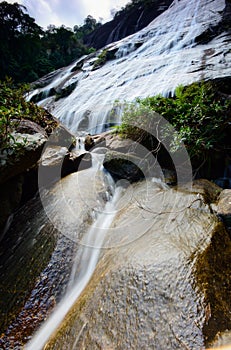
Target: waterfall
{"x": 83, "y": 268}
{"x": 153, "y": 61}
{"x": 88, "y": 252}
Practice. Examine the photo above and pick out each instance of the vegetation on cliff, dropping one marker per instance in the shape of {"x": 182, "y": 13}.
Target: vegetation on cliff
{"x": 14, "y": 108}
{"x": 200, "y": 114}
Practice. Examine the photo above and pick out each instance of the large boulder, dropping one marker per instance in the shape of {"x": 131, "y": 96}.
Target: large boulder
{"x": 125, "y": 166}
{"x": 28, "y": 152}
{"x": 224, "y": 207}
{"x": 37, "y": 253}
{"x": 57, "y": 162}
{"x": 29, "y": 127}
{"x": 163, "y": 283}
{"x": 19, "y": 164}
{"x": 61, "y": 136}
{"x": 14, "y": 165}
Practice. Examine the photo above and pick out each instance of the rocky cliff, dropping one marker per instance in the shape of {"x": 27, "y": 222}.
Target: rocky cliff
{"x": 126, "y": 22}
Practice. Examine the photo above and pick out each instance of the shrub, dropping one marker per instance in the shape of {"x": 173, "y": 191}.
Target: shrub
{"x": 14, "y": 108}
{"x": 101, "y": 59}
{"x": 199, "y": 113}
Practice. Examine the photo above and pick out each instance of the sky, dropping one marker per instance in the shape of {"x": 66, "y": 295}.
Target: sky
{"x": 69, "y": 12}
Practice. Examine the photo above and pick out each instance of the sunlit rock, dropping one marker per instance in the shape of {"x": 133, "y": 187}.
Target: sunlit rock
{"x": 163, "y": 281}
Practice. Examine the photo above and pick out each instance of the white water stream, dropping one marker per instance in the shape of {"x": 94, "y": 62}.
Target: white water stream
{"x": 85, "y": 263}
{"x": 152, "y": 61}
{"x": 165, "y": 57}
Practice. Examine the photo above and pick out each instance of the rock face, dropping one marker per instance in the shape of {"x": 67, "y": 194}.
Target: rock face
{"x": 36, "y": 255}
{"x": 125, "y": 166}
{"x": 126, "y": 23}
{"x": 224, "y": 207}
{"x": 19, "y": 167}
{"x": 164, "y": 282}
{"x": 12, "y": 169}
{"x": 155, "y": 60}
{"x": 57, "y": 162}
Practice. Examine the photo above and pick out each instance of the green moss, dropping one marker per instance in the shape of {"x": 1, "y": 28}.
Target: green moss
{"x": 101, "y": 59}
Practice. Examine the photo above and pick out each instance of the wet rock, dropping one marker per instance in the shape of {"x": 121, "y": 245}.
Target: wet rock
{"x": 99, "y": 141}
{"x": 10, "y": 197}
{"x": 57, "y": 162}
{"x": 224, "y": 207}
{"x": 15, "y": 162}
{"x": 89, "y": 142}
{"x": 24, "y": 252}
{"x": 169, "y": 260}
{"x": 61, "y": 136}
{"x": 46, "y": 80}
{"x": 119, "y": 144}
{"x": 29, "y": 127}
{"x": 76, "y": 161}
{"x": 53, "y": 156}
{"x": 19, "y": 165}
{"x": 13, "y": 165}
{"x": 37, "y": 253}
{"x": 125, "y": 166}
{"x": 209, "y": 190}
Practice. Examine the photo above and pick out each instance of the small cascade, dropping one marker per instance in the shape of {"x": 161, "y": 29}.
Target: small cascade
{"x": 80, "y": 143}
{"x": 84, "y": 265}
{"x": 125, "y": 50}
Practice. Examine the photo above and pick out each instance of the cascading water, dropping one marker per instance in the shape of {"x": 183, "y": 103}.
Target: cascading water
{"x": 87, "y": 255}
{"x": 83, "y": 268}
{"x": 152, "y": 61}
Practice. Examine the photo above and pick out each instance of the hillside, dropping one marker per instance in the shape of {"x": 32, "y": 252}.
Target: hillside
{"x": 135, "y": 16}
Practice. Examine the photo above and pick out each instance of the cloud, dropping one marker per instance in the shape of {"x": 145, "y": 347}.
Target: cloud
{"x": 69, "y": 12}
{"x": 55, "y": 12}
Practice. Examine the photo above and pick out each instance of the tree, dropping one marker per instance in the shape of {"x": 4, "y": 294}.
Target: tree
{"x": 27, "y": 52}
{"x": 19, "y": 40}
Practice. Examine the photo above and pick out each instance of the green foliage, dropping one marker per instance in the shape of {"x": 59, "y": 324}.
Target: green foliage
{"x": 27, "y": 52}
{"x": 101, "y": 59}
{"x": 13, "y": 109}
{"x": 198, "y": 113}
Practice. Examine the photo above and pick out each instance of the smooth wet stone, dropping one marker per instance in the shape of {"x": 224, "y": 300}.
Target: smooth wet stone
{"x": 125, "y": 166}
{"x": 224, "y": 207}
{"x": 36, "y": 254}
{"x": 164, "y": 281}
{"x": 57, "y": 162}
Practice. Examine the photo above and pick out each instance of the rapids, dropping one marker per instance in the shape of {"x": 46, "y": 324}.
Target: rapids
{"x": 132, "y": 260}
{"x": 152, "y": 61}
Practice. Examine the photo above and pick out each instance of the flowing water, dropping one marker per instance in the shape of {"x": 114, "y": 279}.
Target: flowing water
{"x": 82, "y": 270}
{"x": 152, "y": 61}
